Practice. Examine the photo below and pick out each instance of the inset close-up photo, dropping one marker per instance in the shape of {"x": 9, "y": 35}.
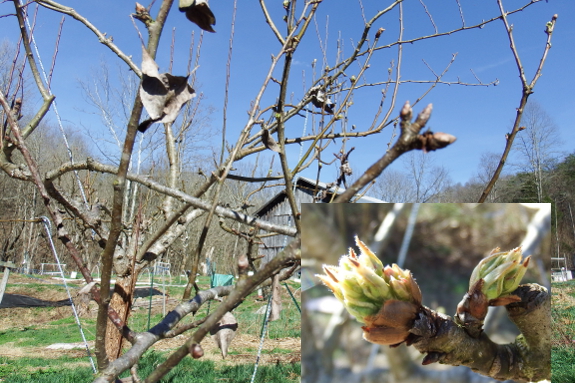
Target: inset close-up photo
{"x": 426, "y": 292}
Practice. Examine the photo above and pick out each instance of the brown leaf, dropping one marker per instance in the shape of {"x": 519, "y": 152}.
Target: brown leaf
{"x": 384, "y": 335}
{"x": 394, "y": 313}
{"x": 198, "y": 12}
{"x": 162, "y": 94}
{"x": 321, "y": 100}
{"x": 269, "y": 141}
{"x": 504, "y": 301}
{"x": 224, "y": 331}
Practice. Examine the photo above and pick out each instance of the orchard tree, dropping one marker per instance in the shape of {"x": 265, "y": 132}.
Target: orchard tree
{"x": 130, "y": 237}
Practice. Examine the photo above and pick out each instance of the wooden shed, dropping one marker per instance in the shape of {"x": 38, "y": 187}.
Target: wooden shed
{"x": 277, "y": 210}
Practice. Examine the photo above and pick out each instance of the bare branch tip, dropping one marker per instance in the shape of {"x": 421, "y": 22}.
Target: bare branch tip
{"x": 424, "y": 116}
{"x": 445, "y": 138}
{"x": 406, "y": 111}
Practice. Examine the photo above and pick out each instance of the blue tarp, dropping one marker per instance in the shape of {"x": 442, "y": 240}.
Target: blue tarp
{"x": 221, "y": 280}
{"x": 218, "y": 279}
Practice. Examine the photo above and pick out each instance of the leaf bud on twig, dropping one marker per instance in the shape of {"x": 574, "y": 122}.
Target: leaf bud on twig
{"x": 430, "y": 141}
{"x": 444, "y": 138}
{"x": 406, "y": 111}
{"x": 243, "y": 265}
{"x": 423, "y": 117}
{"x": 386, "y": 299}
{"x": 492, "y": 282}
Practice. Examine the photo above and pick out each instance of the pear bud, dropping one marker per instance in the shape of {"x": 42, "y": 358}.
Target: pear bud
{"x": 386, "y": 299}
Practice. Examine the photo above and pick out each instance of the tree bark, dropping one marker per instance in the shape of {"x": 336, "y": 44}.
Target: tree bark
{"x": 121, "y": 302}
{"x": 528, "y": 358}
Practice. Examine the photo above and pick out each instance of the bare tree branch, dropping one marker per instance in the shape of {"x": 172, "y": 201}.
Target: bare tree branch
{"x": 107, "y": 41}
{"x": 527, "y": 91}
{"x": 409, "y": 139}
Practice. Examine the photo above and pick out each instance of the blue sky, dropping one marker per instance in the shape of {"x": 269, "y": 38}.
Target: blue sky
{"x": 479, "y": 117}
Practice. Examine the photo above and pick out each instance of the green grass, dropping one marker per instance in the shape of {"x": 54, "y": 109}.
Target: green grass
{"x": 255, "y": 350}
{"x": 77, "y": 369}
{"x": 46, "y": 335}
{"x": 562, "y": 367}
{"x": 65, "y": 330}
{"x": 289, "y": 325}
{"x": 45, "y": 370}
{"x": 563, "y": 330}
{"x": 62, "y": 370}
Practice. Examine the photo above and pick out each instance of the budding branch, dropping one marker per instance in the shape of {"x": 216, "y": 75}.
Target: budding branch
{"x": 528, "y": 358}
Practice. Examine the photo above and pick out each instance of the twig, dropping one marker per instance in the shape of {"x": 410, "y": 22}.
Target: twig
{"x": 477, "y": 78}
{"x": 101, "y": 36}
{"x": 460, "y": 13}
{"x": 172, "y": 46}
{"x": 271, "y": 23}
{"x": 139, "y": 33}
{"x": 290, "y": 253}
{"x": 227, "y": 86}
{"x": 153, "y": 185}
{"x": 409, "y": 139}
{"x": 362, "y": 11}
{"x": 397, "y": 69}
{"x": 55, "y": 52}
{"x": 430, "y": 68}
{"x": 429, "y": 15}
{"x": 527, "y": 91}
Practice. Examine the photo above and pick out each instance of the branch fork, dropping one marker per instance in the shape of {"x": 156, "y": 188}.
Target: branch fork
{"x": 528, "y": 358}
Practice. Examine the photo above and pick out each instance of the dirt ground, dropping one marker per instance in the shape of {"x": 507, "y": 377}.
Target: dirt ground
{"x": 242, "y": 342}
{"x": 20, "y": 318}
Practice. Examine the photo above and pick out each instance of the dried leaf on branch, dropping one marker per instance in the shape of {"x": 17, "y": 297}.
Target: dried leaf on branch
{"x": 224, "y": 332}
{"x": 162, "y": 94}
{"x": 269, "y": 141}
{"x": 198, "y": 12}
{"x": 321, "y": 100}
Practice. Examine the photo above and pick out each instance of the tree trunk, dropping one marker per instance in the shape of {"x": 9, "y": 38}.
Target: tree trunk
{"x": 121, "y": 302}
